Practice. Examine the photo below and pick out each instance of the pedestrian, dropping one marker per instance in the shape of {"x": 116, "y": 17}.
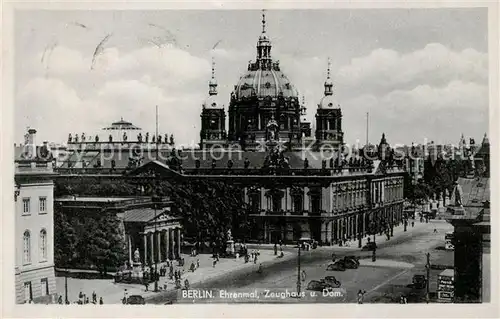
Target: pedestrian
{"x": 146, "y": 284}
{"x": 197, "y": 263}
{"x": 255, "y": 259}
{"x": 275, "y": 249}
{"x": 87, "y": 301}
{"x": 193, "y": 267}
{"x": 412, "y": 223}
{"x": 100, "y": 301}
{"x": 360, "y": 297}
{"x": 94, "y": 297}
{"x": 59, "y": 300}
{"x": 186, "y": 284}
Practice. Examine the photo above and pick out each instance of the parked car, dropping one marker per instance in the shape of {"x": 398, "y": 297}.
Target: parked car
{"x": 419, "y": 281}
{"x": 353, "y": 258}
{"x": 318, "y": 285}
{"x": 350, "y": 264}
{"x": 136, "y": 300}
{"x": 336, "y": 266}
{"x": 332, "y": 281}
{"x": 369, "y": 246}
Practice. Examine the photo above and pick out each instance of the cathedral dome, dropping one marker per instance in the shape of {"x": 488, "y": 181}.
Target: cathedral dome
{"x": 329, "y": 102}
{"x": 212, "y": 102}
{"x": 263, "y": 83}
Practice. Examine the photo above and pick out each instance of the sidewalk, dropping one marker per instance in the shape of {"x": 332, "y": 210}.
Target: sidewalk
{"x": 113, "y": 293}
{"x": 386, "y": 263}
{"x": 352, "y": 245}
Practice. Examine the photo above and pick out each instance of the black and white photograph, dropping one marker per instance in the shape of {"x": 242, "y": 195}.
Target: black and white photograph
{"x": 259, "y": 156}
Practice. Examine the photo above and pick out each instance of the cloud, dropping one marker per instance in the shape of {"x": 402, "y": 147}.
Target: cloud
{"x": 383, "y": 70}
{"x": 421, "y": 112}
{"x": 126, "y": 84}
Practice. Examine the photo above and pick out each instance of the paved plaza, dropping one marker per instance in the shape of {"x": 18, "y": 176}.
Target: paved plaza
{"x": 113, "y": 293}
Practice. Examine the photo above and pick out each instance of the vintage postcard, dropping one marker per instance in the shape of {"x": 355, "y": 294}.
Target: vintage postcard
{"x": 205, "y": 155}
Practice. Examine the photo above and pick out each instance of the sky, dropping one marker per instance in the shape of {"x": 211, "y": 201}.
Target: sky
{"x": 420, "y": 73}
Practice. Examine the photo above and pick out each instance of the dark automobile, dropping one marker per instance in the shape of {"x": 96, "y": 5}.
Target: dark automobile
{"x": 336, "y": 266}
{"x": 318, "y": 285}
{"x": 369, "y": 246}
{"x": 332, "y": 281}
{"x": 350, "y": 263}
{"x": 136, "y": 300}
{"x": 353, "y": 258}
{"x": 419, "y": 281}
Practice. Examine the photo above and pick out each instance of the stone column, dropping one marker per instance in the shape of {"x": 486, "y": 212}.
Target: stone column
{"x": 158, "y": 239}
{"x": 179, "y": 244}
{"x": 172, "y": 241}
{"x": 152, "y": 239}
{"x": 145, "y": 236}
{"x": 165, "y": 239}
{"x": 129, "y": 250}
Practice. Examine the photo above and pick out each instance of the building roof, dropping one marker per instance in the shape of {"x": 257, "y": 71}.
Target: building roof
{"x": 263, "y": 83}
{"x": 92, "y": 199}
{"x": 122, "y": 125}
{"x": 475, "y": 191}
{"x": 142, "y": 215}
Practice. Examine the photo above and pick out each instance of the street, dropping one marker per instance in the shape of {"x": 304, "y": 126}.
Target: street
{"x": 384, "y": 280}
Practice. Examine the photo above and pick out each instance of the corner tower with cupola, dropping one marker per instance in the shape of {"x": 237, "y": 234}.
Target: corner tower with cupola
{"x": 329, "y": 118}
{"x": 213, "y": 117}
{"x": 264, "y": 95}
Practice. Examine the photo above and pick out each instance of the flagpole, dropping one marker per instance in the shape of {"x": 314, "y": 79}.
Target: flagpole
{"x": 156, "y": 132}
{"x": 367, "y": 123}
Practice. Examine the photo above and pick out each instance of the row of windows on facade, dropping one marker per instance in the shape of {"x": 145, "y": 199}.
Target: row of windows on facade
{"x": 42, "y": 205}
{"x": 27, "y": 246}
{"x": 340, "y": 201}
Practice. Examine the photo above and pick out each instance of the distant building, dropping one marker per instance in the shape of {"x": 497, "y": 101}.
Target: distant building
{"x": 152, "y": 232}
{"x": 469, "y": 212}
{"x": 34, "y": 227}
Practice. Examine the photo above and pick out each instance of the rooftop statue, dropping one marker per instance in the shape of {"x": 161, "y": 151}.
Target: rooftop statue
{"x": 458, "y": 195}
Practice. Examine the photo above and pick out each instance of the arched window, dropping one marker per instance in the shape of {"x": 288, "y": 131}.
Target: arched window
{"x": 27, "y": 247}
{"x": 43, "y": 244}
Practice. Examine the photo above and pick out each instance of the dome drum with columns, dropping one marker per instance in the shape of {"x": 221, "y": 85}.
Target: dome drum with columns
{"x": 263, "y": 94}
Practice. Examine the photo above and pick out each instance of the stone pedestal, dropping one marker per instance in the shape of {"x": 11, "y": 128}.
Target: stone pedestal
{"x": 137, "y": 270}
{"x": 230, "y": 247}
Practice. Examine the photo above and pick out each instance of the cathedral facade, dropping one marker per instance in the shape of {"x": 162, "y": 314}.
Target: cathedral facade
{"x": 265, "y": 107}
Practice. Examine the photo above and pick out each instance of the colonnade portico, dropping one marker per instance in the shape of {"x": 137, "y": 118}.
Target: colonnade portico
{"x": 162, "y": 244}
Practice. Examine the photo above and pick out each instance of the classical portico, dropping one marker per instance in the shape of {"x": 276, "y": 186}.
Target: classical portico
{"x": 156, "y": 235}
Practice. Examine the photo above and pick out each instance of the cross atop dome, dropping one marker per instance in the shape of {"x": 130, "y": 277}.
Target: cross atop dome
{"x": 328, "y": 82}
{"x": 213, "y": 82}
{"x": 263, "y": 21}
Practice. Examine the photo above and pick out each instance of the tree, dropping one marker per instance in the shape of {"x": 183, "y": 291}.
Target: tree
{"x": 64, "y": 240}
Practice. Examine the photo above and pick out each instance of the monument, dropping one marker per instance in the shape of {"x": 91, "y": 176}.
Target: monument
{"x": 230, "y": 244}
{"x": 137, "y": 271}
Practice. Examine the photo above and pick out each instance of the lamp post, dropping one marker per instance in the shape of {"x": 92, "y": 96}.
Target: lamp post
{"x": 156, "y": 200}
{"x": 298, "y": 273}
{"x": 374, "y": 252}
{"x": 66, "y": 301}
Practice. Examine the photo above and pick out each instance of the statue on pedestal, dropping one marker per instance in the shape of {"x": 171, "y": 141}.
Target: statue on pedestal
{"x": 458, "y": 195}
{"x": 137, "y": 256}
